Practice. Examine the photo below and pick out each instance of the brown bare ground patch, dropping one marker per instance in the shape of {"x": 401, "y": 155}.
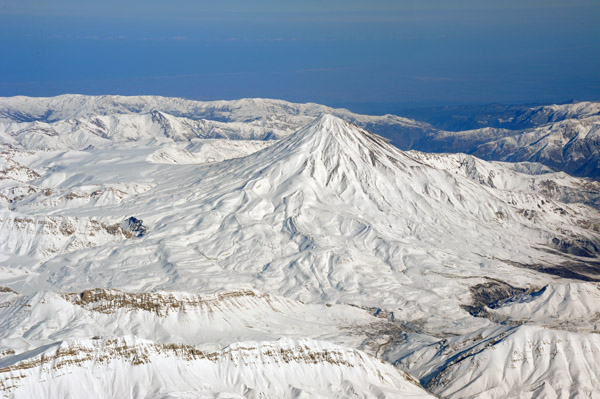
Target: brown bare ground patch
{"x": 109, "y": 301}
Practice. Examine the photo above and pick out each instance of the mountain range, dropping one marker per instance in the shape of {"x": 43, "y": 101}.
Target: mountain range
{"x": 562, "y": 137}
{"x": 284, "y": 250}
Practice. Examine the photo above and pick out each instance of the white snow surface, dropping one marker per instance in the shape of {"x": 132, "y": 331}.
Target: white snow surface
{"x": 518, "y": 362}
{"x": 294, "y": 263}
{"x": 80, "y": 122}
{"x": 570, "y": 306}
{"x": 207, "y": 151}
{"x": 103, "y": 368}
{"x": 216, "y": 320}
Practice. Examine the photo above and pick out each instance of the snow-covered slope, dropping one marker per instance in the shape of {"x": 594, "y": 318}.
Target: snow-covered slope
{"x": 30, "y": 321}
{"x": 330, "y": 235}
{"x": 206, "y": 151}
{"x": 557, "y": 112}
{"x": 181, "y": 339}
{"x": 105, "y": 131}
{"x": 135, "y": 368}
{"x": 517, "y": 362}
{"x": 524, "y": 177}
{"x": 571, "y": 306}
{"x": 513, "y": 117}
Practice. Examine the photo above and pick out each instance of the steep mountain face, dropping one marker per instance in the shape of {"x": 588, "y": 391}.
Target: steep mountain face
{"x": 331, "y": 246}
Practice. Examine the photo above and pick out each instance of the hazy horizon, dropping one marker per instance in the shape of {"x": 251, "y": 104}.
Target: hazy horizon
{"x": 378, "y": 56}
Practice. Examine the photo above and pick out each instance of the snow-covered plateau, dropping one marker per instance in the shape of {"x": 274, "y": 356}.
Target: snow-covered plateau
{"x": 166, "y": 248}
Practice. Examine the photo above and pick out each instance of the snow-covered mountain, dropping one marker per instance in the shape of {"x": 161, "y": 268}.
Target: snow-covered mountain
{"x": 258, "y": 214}
{"x": 563, "y": 137}
{"x": 571, "y": 145}
{"x": 290, "y": 268}
{"x": 104, "y": 131}
{"x": 79, "y": 122}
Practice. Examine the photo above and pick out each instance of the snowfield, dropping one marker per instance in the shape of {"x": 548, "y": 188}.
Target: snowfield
{"x": 149, "y": 252}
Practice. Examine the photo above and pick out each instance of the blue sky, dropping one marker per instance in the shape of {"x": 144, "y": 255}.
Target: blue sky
{"x": 417, "y": 53}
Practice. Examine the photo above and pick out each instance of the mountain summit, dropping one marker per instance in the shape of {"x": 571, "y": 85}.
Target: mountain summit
{"x": 330, "y": 135}
{"x": 335, "y": 154}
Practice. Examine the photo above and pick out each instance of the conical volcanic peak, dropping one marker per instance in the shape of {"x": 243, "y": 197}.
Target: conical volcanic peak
{"x": 328, "y": 128}
{"x": 331, "y": 139}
